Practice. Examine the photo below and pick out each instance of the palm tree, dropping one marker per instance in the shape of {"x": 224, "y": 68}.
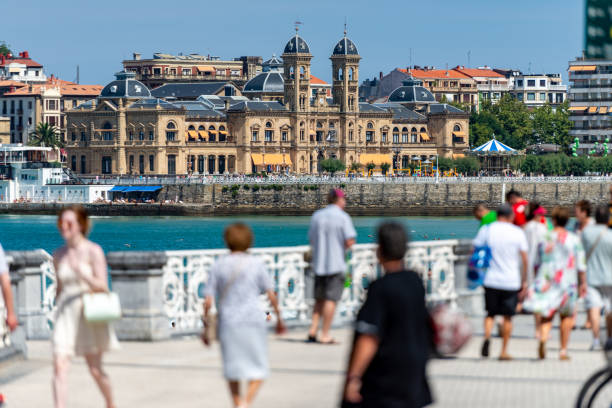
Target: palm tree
{"x": 45, "y": 135}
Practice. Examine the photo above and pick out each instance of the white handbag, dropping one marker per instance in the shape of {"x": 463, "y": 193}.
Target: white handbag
{"x": 101, "y": 307}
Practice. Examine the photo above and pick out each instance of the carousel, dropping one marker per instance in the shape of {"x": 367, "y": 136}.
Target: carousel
{"x": 494, "y": 156}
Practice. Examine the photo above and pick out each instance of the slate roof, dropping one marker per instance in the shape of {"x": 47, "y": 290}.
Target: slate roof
{"x": 444, "y": 108}
{"x": 149, "y": 103}
{"x": 400, "y": 112}
{"x": 125, "y": 86}
{"x": 271, "y": 81}
{"x": 188, "y": 90}
{"x": 297, "y": 45}
{"x": 345, "y": 47}
{"x": 263, "y": 106}
{"x": 412, "y": 91}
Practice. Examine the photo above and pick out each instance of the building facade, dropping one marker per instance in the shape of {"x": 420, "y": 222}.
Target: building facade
{"x": 21, "y": 68}
{"x": 539, "y": 89}
{"x": 590, "y": 100}
{"x": 167, "y": 68}
{"x": 128, "y": 131}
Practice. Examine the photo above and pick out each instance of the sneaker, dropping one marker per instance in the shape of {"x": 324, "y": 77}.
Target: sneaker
{"x": 596, "y": 345}
{"x": 484, "y": 352}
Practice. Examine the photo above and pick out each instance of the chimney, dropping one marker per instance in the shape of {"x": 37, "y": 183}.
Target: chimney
{"x": 26, "y": 54}
{"x": 2, "y": 59}
{"x": 136, "y": 56}
{"x": 380, "y": 75}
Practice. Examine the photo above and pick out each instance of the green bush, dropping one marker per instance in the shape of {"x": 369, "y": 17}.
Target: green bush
{"x": 234, "y": 194}
{"x": 225, "y": 189}
{"x": 255, "y": 187}
{"x": 246, "y": 187}
{"x": 235, "y": 187}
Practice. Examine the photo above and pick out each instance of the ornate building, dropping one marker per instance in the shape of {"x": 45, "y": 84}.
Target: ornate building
{"x": 127, "y": 131}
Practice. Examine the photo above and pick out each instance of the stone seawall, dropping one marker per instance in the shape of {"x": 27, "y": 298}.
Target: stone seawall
{"x": 363, "y": 199}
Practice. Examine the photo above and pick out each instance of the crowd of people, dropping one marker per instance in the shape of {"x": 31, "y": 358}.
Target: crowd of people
{"x": 541, "y": 266}
{"x": 537, "y": 265}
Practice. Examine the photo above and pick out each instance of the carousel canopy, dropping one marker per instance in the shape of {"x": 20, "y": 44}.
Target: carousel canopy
{"x": 494, "y": 146}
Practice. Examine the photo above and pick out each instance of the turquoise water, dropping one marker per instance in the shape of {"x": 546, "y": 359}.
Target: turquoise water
{"x": 26, "y": 232}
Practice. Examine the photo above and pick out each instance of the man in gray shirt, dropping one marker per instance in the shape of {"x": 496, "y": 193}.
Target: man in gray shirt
{"x": 331, "y": 234}
{"x": 7, "y": 294}
{"x": 597, "y": 242}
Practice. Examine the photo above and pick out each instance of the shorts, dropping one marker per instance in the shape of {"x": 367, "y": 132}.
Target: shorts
{"x": 329, "y": 287}
{"x": 499, "y": 302}
{"x": 599, "y": 297}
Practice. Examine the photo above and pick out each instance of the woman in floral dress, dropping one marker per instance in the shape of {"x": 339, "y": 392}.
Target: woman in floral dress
{"x": 560, "y": 267}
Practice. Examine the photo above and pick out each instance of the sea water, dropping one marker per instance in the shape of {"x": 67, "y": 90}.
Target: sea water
{"x": 28, "y": 232}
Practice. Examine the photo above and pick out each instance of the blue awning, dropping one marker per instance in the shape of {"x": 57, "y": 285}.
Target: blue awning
{"x": 141, "y": 189}
{"x": 117, "y": 189}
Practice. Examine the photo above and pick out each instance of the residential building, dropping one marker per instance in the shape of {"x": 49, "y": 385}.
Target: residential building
{"x": 491, "y": 85}
{"x": 167, "y": 68}
{"x": 126, "y": 130}
{"x": 5, "y": 130}
{"x": 21, "y": 68}
{"x": 590, "y": 96}
{"x": 27, "y": 105}
{"x": 539, "y": 89}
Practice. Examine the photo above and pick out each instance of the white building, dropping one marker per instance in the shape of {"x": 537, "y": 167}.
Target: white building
{"x": 538, "y": 89}
{"x": 35, "y": 174}
{"x": 590, "y": 101}
{"x": 21, "y": 68}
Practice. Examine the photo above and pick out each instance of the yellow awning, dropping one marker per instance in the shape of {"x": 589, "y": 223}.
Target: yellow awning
{"x": 192, "y": 134}
{"x": 459, "y": 134}
{"x": 577, "y": 108}
{"x": 583, "y": 68}
{"x": 277, "y": 158}
{"x": 223, "y": 132}
{"x": 377, "y": 159}
{"x": 592, "y": 109}
{"x": 425, "y": 136}
{"x": 257, "y": 159}
{"x": 458, "y": 155}
{"x": 603, "y": 109}
{"x": 203, "y": 134}
{"x": 203, "y": 68}
{"x": 212, "y": 132}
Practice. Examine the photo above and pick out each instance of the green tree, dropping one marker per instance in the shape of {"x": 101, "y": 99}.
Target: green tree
{"x": 355, "y": 166}
{"x": 562, "y": 126}
{"x": 385, "y": 168}
{"x": 467, "y": 165}
{"x": 370, "y": 166}
{"x": 5, "y": 48}
{"x": 45, "y": 135}
{"x": 332, "y": 165}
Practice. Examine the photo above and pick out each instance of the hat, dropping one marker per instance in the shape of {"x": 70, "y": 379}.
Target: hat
{"x": 540, "y": 211}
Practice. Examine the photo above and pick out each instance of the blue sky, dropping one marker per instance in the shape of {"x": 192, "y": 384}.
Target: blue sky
{"x": 98, "y": 35}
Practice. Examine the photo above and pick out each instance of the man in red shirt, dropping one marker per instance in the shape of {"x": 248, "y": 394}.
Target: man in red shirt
{"x": 519, "y": 207}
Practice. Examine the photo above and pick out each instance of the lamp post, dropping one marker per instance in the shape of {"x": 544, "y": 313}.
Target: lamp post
{"x": 396, "y": 152}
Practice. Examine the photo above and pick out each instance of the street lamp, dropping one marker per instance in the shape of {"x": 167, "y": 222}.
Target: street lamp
{"x": 396, "y": 150}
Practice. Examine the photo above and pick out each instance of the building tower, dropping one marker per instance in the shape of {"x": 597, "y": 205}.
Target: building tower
{"x": 296, "y": 64}
{"x": 345, "y": 73}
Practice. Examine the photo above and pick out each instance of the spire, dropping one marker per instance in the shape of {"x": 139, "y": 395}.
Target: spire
{"x": 344, "y": 27}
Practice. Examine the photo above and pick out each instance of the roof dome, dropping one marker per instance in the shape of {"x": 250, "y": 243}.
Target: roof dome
{"x": 125, "y": 86}
{"x": 297, "y": 45}
{"x": 273, "y": 64}
{"x": 268, "y": 82}
{"x": 412, "y": 91}
{"x": 345, "y": 47}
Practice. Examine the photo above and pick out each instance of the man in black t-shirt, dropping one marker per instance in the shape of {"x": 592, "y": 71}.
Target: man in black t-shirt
{"x": 393, "y": 335}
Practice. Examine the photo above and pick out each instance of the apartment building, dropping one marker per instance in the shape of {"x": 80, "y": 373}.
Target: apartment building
{"x": 590, "y": 96}
{"x": 539, "y": 89}
{"x": 166, "y": 68}
{"x": 21, "y": 68}
{"x": 491, "y": 85}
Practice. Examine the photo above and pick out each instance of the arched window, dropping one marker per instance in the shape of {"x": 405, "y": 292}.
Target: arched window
{"x": 302, "y": 132}
{"x": 302, "y": 72}
{"x": 268, "y": 132}
{"x": 395, "y": 135}
{"x": 221, "y": 128}
{"x": 319, "y": 124}
{"x": 350, "y": 74}
{"x": 106, "y": 133}
{"x": 413, "y": 135}
{"x": 370, "y": 125}
{"x": 370, "y": 132}
{"x": 340, "y": 76}
{"x": 291, "y": 73}
{"x": 171, "y": 131}
{"x": 457, "y": 128}
{"x": 268, "y": 124}
{"x": 332, "y": 125}
{"x": 212, "y": 134}
{"x": 423, "y": 130}
{"x": 191, "y": 127}
{"x": 201, "y": 127}
{"x": 404, "y": 135}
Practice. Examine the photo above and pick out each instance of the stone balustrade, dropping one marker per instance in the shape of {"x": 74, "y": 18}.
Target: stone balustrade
{"x": 162, "y": 292}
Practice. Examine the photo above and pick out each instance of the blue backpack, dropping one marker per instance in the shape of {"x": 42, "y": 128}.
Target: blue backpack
{"x": 479, "y": 264}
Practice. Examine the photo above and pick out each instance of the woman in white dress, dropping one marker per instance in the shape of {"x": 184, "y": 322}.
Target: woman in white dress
{"x": 80, "y": 267}
{"x": 236, "y": 281}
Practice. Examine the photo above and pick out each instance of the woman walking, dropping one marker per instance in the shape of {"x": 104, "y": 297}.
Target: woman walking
{"x": 535, "y": 231}
{"x": 80, "y": 268}
{"x": 235, "y": 282}
{"x": 560, "y": 267}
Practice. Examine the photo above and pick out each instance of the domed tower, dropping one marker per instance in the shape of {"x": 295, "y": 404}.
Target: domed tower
{"x": 296, "y": 65}
{"x": 345, "y": 69}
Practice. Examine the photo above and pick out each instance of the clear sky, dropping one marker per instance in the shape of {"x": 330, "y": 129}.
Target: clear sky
{"x": 98, "y": 35}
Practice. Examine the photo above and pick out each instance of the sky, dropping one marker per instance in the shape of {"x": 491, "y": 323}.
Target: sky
{"x": 537, "y": 36}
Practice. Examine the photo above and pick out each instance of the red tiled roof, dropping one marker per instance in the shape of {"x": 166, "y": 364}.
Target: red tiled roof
{"x": 76, "y": 89}
{"x": 478, "y": 72}
{"x": 26, "y": 61}
{"x": 10, "y": 82}
{"x": 67, "y": 88}
{"x": 435, "y": 73}
{"x": 317, "y": 81}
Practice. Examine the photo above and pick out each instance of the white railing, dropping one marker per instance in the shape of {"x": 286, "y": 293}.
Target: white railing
{"x": 186, "y": 274}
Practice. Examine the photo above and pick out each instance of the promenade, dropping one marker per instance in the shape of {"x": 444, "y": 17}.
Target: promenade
{"x": 182, "y": 373}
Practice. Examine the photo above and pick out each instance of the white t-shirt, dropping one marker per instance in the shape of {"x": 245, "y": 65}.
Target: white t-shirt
{"x": 3, "y": 264}
{"x": 506, "y": 242}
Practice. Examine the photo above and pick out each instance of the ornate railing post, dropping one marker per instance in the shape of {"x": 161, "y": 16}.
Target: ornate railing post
{"x": 137, "y": 277}
{"x": 35, "y": 291}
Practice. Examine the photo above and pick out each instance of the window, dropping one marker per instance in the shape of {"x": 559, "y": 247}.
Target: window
{"x": 542, "y": 96}
{"x": 201, "y": 164}
{"x": 83, "y": 136}
{"x": 171, "y": 164}
{"x": 212, "y": 134}
{"x": 151, "y": 163}
{"x": 404, "y": 135}
{"x": 384, "y": 136}
{"x": 73, "y": 136}
{"x": 531, "y": 96}
{"x": 351, "y": 135}
{"x": 141, "y": 164}
{"x": 170, "y": 132}
{"x": 186, "y": 71}
{"x": 395, "y": 135}
{"x": 73, "y": 163}
{"x": 107, "y": 133}
{"x": 413, "y": 135}
{"x": 131, "y": 163}
{"x": 141, "y": 135}
{"x": 531, "y": 82}
{"x": 519, "y": 82}
{"x": 107, "y": 165}
{"x": 268, "y": 135}
{"x": 254, "y": 135}
{"x": 284, "y": 135}
{"x": 131, "y": 135}
{"x": 542, "y": 82}
{"x": 151, "y": 135}
{"x": 369, "y": 136}
{"x": 519, "y": 96}
{"x": 83, "y": 164}
{"x": 301, "y": 135}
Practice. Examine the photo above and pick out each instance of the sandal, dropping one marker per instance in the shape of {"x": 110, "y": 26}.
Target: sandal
{"x": 331, "y": 341}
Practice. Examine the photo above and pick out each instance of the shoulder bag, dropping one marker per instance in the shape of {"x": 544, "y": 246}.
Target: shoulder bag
{"x": 101, "y": 307}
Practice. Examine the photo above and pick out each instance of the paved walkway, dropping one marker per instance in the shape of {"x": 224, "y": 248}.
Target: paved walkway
{"x": 182, "y": 373}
